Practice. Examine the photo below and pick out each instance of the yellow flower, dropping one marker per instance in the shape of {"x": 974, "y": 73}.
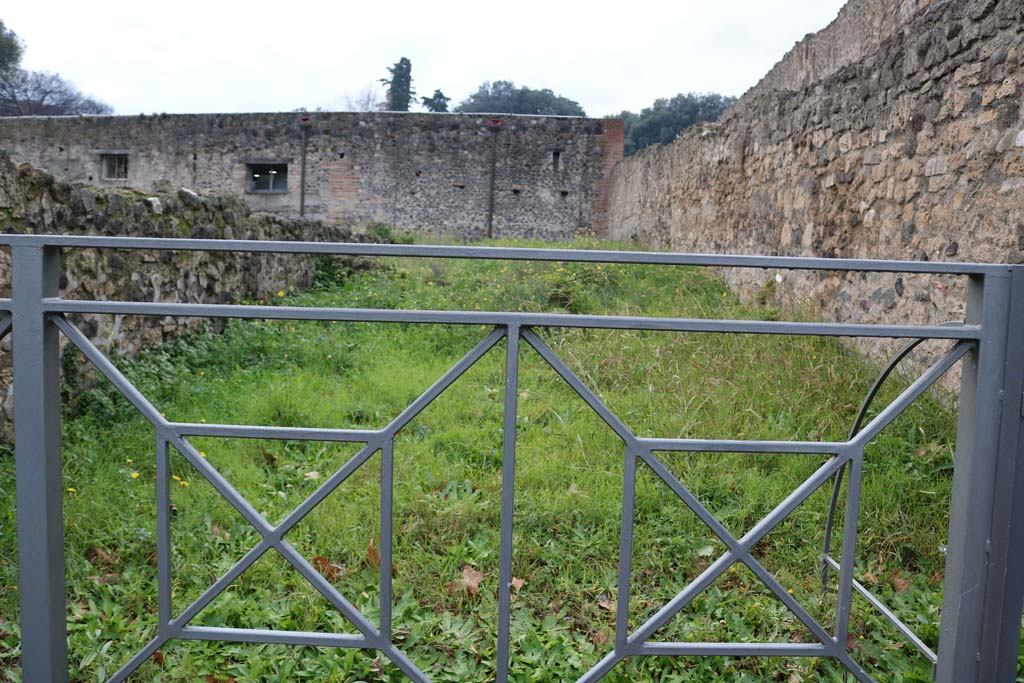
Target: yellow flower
{"x": 202, "y": 454}
{"x": 280, "y": 294}
{"x": 128, "y": 460}
{"x": 203, "y": 420}
{"x": 183, "y": 483}
{"x": 72, "y": 489}
{"x": 202, "y": 373}
{"x": 135, "y": 475}
{"x": 175, "y": 477}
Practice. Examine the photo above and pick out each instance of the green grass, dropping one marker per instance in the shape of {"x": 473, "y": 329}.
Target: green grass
{"x": 447, "y": 491}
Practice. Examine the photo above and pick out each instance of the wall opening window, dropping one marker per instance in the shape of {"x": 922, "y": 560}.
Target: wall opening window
{"x": 114, "y": 166}
{"x": 269, "y": 178}
{"x": 556, "y": 159}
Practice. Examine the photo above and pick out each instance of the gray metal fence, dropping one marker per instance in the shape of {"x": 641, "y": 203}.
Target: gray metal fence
{"x": 984, "y": 579}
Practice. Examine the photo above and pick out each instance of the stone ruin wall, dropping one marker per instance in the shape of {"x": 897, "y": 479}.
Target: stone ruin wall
{"x": 914, "y": 152}
{"x": 858, "y": 32}
{"x": 421, "y": 172}
{"x": 31, "y": 201}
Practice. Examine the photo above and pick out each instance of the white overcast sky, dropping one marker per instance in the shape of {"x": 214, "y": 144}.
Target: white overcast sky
{"x": 228, "y": 56}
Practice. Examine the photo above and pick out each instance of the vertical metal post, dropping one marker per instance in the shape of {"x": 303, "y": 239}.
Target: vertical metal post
{"x": 508, "y": 478}
{"x": 387, "y": 493}
{"x": 39, "y": 497}
{"x": 848, "y": 559}
{"x": 981, "y": 614}
{"x": 625, "y": 549}
{"x": 1000, "y": 637}
{"x": 163, "y": 533}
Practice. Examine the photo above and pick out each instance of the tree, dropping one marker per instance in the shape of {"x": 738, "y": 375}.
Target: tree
{"x": 37, "y": 93}
{"x": 437, "y": 103}
{"x": 503, "y": 97}
{"x": 662, "y": 121}
{"x": 400, "y": 91}
{"x": 10, "y": 49}
{"x": 367, "y": 99}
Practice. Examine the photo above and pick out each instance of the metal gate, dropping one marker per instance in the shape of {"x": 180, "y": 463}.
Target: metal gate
{"x": 984, "y": 584}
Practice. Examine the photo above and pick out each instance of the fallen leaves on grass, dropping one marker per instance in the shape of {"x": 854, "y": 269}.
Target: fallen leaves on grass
{"x": 269, "y": 459}
{"x": 327, "y": 569}
{"x": 600, "y": 638}
{"x": 100, "y": 558}
{"x": 373, "y": 558}
{"x": 901, "y": 583}
{"x": 469, "y": 583}
{"x": 372, "y": 555}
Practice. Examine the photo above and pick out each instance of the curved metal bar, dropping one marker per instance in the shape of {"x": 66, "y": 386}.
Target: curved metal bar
{"x": 857, "y": 424}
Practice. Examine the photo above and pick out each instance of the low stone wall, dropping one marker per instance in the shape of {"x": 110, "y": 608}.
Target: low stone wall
{"x": 915, "y": 152}
{"x": 31, "y": 201}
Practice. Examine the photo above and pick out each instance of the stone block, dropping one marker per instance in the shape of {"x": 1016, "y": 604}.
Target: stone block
{"x": 936, "y": 166}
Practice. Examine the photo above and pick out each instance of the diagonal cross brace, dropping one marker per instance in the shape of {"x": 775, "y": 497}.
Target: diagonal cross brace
{"x": 272, "y": 536}
{"x": 739, "y": 551}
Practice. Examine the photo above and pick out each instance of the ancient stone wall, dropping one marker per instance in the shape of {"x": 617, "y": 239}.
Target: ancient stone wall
{"x": 31, "y": 201}
{"x": 859, "y": 31}
{"x": 423, "y": 172}
{"x": 914, "y": 152}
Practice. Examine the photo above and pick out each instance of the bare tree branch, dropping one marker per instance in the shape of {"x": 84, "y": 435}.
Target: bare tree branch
{"x": 38, "y": 93}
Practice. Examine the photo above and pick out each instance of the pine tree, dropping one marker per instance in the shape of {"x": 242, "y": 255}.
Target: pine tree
{"x": 437, "y": 103}
{"x": 400, "y": 91}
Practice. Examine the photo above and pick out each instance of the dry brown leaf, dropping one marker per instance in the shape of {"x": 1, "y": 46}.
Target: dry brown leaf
{"x": 377, "y": 665}
{"x": 158, "y": 658}
{"x": 900, "y": 583}
{"x": 100, "y": 558}
{"x": 469, "y": 583}
{"x": 372, "y": 555}
{"x": 518, "y": 583}
{"x": 221, "y": 533}
{"x": 105, "y": 578}
{"x": 269, "y": 459}
{"x": 327, "y": 569}
{"x": 605, "y": 602}
{"x": 601, "y": 638}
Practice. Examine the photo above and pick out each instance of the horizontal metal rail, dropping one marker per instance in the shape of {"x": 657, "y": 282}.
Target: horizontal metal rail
{"x": 506, "y": 254}
{"x": 989, "y": 346}
{"x": 492, "y": 318}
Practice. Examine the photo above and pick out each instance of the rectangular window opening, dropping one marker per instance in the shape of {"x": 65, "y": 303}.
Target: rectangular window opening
{"x": 267, "y": 178}
{"x": 556, "y": 159}
{"x": 114, "y": 166}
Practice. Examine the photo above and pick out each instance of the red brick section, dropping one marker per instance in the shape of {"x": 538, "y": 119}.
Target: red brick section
{"x": 343, "y": 189}
{"x": 612, "y": 142}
